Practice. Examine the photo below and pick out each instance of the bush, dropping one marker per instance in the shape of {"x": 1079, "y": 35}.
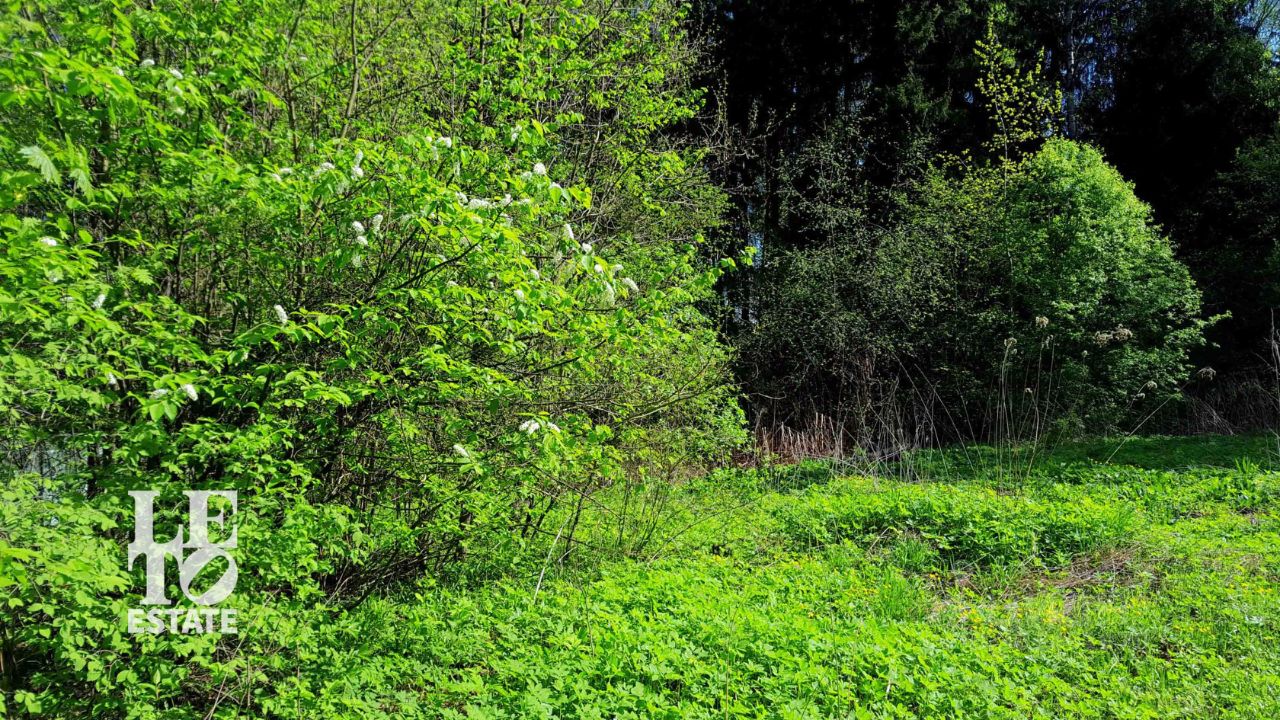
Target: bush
{"x": 967, "y": 528}
{"x": 232, "y": 259}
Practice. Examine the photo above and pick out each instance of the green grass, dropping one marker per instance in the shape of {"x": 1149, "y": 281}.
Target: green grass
{"x": 1138, "y": 588}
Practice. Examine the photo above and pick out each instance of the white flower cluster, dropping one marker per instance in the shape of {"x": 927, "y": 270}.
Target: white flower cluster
{"x": 187, "y": 389}
{"x": 357, "y": 172}
{"x": 529, "y": 427}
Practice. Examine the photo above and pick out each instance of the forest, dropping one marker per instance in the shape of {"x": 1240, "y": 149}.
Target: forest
{"x": 639, "y": 359}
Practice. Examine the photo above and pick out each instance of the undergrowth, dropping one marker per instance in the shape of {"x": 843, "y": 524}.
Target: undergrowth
{"x": 1087, "y": 590}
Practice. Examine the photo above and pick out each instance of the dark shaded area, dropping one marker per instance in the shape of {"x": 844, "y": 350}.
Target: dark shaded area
{"x": 842, "y": 105}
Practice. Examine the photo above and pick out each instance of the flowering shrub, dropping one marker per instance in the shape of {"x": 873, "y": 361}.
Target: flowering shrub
{"x": 411, "y": 343}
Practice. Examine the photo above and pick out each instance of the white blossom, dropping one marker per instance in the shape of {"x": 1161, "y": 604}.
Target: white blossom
{"x": 599, "y": 268}
{"x": 281, "y": 315}
{"x": 462, "y": 198}
{"x": 615, "y": 269}
{"x": 461, "y": 451}
{"x": 530, "y": 427}
{"x": 158, "y": 393}
{"x": 48, "y": 241}
{"x": 357, "y": 226}
{"x": 111, "y": 380}
{"x": 98, "y": 301}
{"x": 118, "y": 71}
{"x": 478, "y": 203}
{"x": 631, "y": 285}
{"x": 376, "y": 222}
{"x": 286, "y": 171}
{"x": 536, "y": 275}
{"x": 190, "y": 390}
{"x": 276, "y": 177}
{"x": 519, "y": 294}
{"x": 362, "y": 241}
{"x": 552, "y": 427}
{"x": 359, "y": 156}
{"x": 539, "y": 169}
{"x": 147, "y": 63}
{"x": 358, "y": 261}
{"x": 176, "y": 73}
{"x": 357, "y": 172}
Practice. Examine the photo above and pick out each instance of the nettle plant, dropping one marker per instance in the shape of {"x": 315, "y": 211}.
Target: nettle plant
{"x": 398, "y": 348}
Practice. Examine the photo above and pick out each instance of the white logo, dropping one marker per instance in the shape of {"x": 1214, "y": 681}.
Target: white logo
{"x": 190, "y": 620}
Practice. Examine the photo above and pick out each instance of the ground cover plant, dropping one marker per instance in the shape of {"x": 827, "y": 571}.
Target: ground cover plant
{"x": 1083, "y": 588}
{"x": 1119, "y": 591}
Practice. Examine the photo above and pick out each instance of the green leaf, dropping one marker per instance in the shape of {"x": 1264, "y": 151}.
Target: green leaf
{"x": 41, "y": 162}
{"x": 83, "y": 183}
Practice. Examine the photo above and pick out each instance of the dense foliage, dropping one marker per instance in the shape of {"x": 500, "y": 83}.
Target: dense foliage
{"x": 1008, "y": 294}
{"x": 438, "y": 289}
{"x": 845, "y": 107}
{"x": 407, "y": 331}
